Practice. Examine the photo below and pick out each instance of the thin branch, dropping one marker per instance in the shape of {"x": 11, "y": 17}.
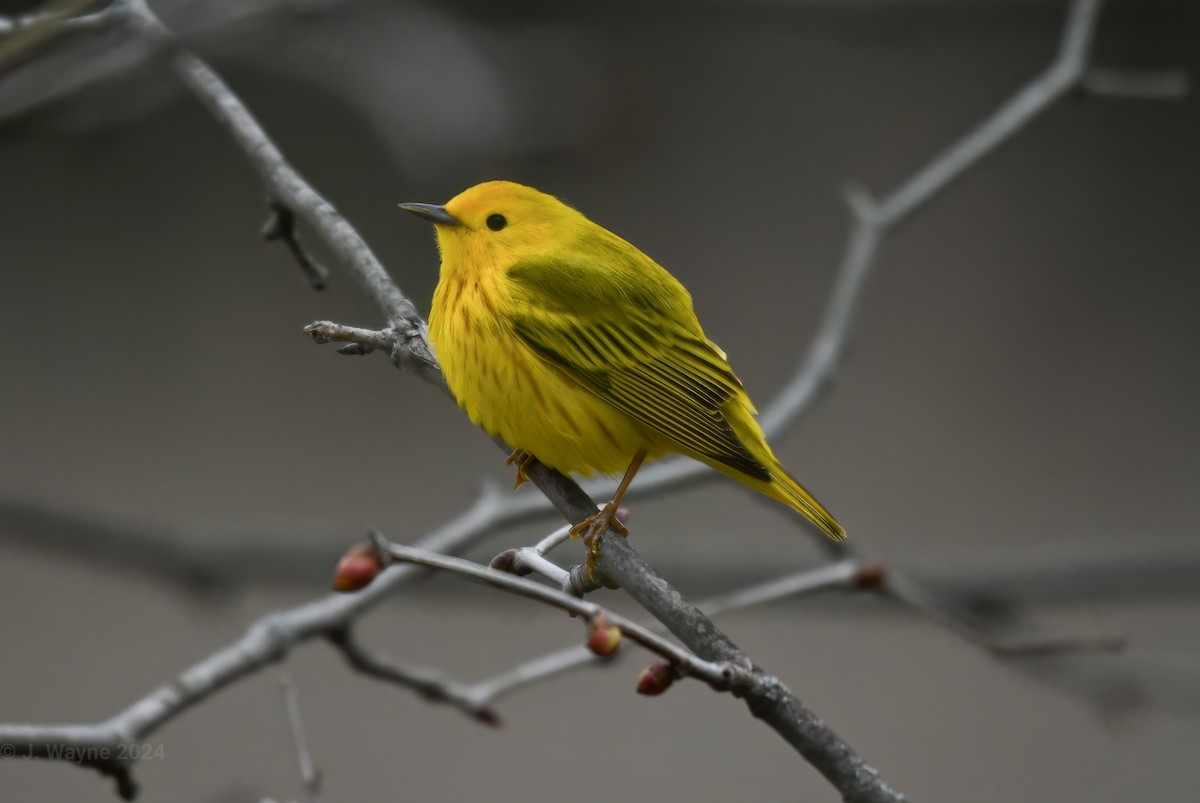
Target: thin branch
{"x": 921, "y": 600}
{"x": 721, "y": 676}
{"x": 206, "y": 566}
{"x": 807, "y": 582}
{"x": 358, "y": 341}
{"x": 844, "y": 575}
{"x": 289, "y": 188}
{"x": 768, "y": 698}
{"x": 841, "y": 575}
{"x": 101, "y": 745}
{"x": 281, "y": 225}
{"x": 431, "y": 684}
{"x": 527, "y": 561}
{"x": 214, "y": 562}
{"x": 563, "y": 534}
{"x": 576, "y": 581}
{"x": 850, "y": 574}
{"x": 309, "y": 774}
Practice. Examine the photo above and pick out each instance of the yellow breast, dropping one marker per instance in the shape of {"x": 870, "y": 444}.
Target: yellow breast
{"x": 510, "y": 391}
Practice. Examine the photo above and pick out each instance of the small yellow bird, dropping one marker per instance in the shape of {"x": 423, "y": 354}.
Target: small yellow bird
{"x": 579, "y": 350}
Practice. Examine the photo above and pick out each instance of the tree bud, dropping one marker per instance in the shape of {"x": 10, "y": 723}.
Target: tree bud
{"x": 655, "y": 679}
{"x": 357, "y": 569}
{"x": 603, "y": 637}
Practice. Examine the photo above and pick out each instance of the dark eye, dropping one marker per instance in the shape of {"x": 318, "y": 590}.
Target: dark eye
{"x": 496, "y": 222}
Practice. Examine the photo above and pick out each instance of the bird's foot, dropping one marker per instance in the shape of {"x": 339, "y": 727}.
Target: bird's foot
{"x": 591, "y": 528}
{"x": 519, "y": 458}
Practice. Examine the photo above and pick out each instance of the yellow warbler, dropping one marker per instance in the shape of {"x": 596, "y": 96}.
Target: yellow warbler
{"x": 581, "y": 351}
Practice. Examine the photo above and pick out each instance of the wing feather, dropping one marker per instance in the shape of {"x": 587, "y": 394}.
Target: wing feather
{"x": 634, "y": 343}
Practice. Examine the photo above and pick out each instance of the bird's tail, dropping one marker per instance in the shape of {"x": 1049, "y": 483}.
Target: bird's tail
{"x": 790, "y": 492}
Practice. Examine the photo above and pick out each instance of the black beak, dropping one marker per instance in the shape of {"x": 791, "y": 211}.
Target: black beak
{"x": 433, "y": 213}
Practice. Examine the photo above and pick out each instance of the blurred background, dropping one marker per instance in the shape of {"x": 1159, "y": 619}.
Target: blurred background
{"x": 1017, "y": 417}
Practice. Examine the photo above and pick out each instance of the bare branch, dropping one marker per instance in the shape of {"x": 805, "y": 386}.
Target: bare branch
{"x": 198, "y": 565}
{"x": 309, "y": 774}
{"x": 720, "y": 676}
{"x": 840, "y": 575}
{"x": 802, "y": 583}
{"x": 223, "y": 560}
{"x": 359, "y": 341}
{"x": 281, "y": 225}
{"x": 431, "y": 684}
{"x": 99, "y": 745}
{"x": 920, "y": 600}
{"x": 845, "y": 575}
{"x": 289, "y": 189}
{"x": 532, "y": 560}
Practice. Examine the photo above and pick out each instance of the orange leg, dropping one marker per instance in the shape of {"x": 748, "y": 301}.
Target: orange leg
{"x": 593, "y": 527}
{"x": 519, "y": 458}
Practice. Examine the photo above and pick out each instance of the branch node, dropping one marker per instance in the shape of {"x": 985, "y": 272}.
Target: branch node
{"x": 410, "y": 349}
{"x": 862, "y": 204}
{"x": 281, "y": 225}
{"x": 581, "y": 581}
{"x": 381, "y": 546}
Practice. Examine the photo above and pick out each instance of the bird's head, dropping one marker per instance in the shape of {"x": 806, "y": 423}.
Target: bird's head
{"x": 498, "y": 223}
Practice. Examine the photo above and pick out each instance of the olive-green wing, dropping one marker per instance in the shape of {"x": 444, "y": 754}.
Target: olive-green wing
{"x": 633, "y": 340}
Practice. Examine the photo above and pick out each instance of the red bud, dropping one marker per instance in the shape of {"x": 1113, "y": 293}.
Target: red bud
{"x": 870, "y": 575}
{"x": 504, "y": 561}
{"x": 655, "y": 679}
{"x": 357, "y": 569}
{"x": 603, "y": 637}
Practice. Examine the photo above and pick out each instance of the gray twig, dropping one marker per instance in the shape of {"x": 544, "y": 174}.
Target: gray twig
{"x": 104, "y": 745}
{"x": 722, "y": 676}
{"x": 205, "y": 566}
{"x": 281, "y": 225}
{"x": 841, "y": 575}
{"x": 289, "y": 189}
{"x": 431, "y": 684}
{"x": 222, "y": 561}
{"x": 919, "y": 599}
{"x": 309, "y": 774}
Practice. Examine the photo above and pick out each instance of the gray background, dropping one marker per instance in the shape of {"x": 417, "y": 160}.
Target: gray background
{"x": 1022, "y": 391}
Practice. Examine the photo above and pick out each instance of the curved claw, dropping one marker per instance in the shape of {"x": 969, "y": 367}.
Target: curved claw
{"x": 593, "y": 526}
{"x": 590, "y": 530}
{"x": 519, "y": 458}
